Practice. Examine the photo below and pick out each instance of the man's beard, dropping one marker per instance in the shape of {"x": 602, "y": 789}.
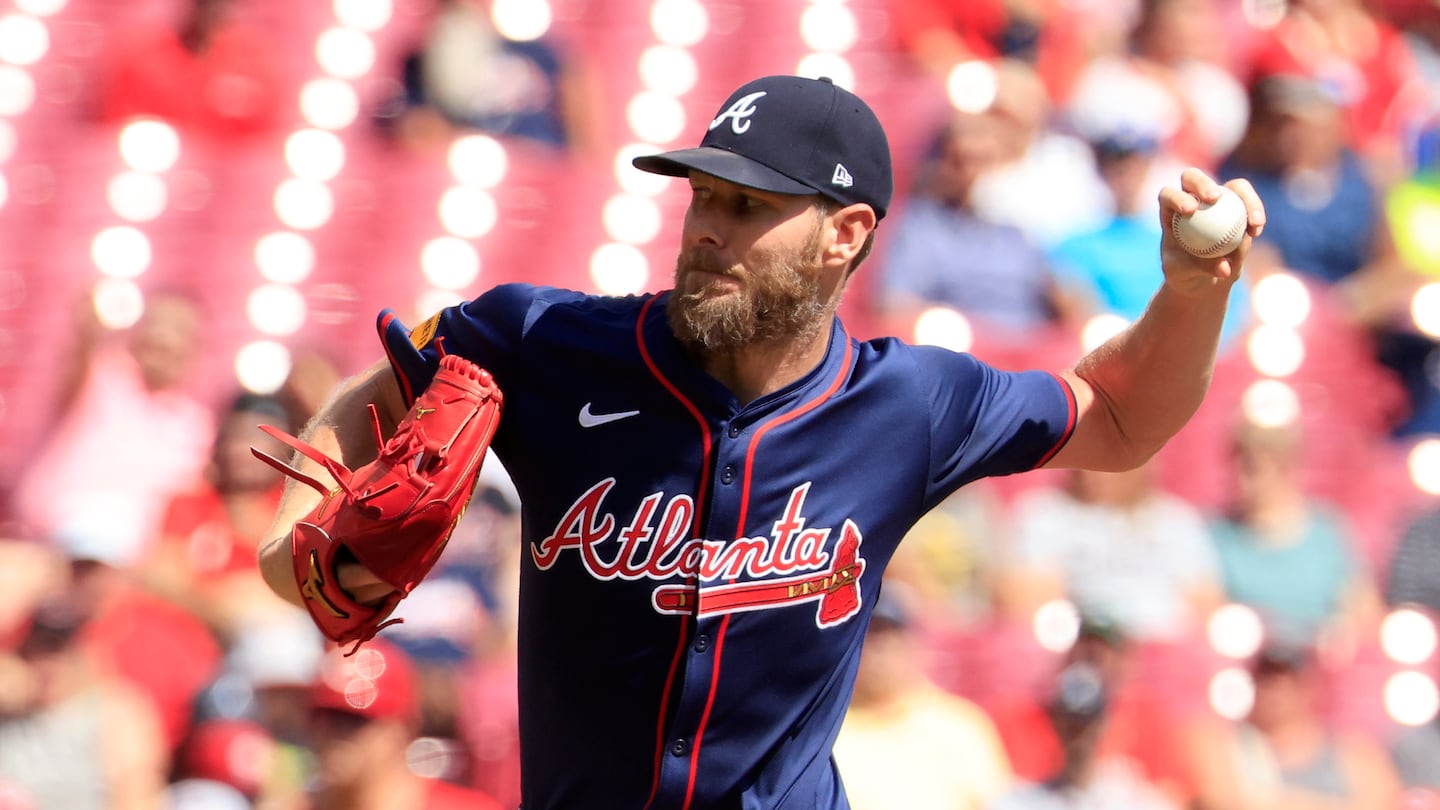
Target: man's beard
{"x": 778, "y": 300}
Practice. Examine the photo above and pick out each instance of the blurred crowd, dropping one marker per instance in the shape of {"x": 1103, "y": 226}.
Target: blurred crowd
{"x": 1057, "y": 640}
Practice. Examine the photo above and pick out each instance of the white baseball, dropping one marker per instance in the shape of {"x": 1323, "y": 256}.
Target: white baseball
{"x": 1214, "y": 230}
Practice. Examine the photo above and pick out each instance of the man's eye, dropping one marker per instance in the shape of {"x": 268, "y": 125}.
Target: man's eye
{"x": 752, "y": 203}
{"x": 700, "y": 193}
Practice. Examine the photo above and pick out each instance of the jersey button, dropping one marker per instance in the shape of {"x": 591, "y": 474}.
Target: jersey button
{"x": 702, "y": 643}
{"x": 680, "y": 747}
{"x": 734, "y": 431}
{"x": 727, "y": 475}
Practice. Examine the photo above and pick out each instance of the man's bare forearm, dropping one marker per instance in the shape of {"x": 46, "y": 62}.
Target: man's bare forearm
{"x": 342, "y": 430}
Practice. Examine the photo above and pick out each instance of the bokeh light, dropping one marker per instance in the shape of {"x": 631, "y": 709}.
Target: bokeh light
{"x": 944, "y": 327}
{"x": 619, "y": 269}
{"x": 284, "y": 257}
{"x": 679, "y": 22}
{"x": 40, "y": 8}
{"x": 478, "y": 160}
{"x": 329, "y": 103}
{"x": 521, "y": 20}
{"x": 275, "y": 309}
{"x": 261, "y": 366}
{"x": 121, "y": 251}
{"x": 24, "y": 40}
{"x": 632, "y": 179}
{"x": 1408, "y": 636}
{"x": 364, "y": 15}
{"x": 345, "y": 53}
{"x": 434, "y": 299}
{"x": 832, "y": 65}
{"x": 1235, "y": 631}
{"x": 829, "y": 28}
{"x": 1425, "y": 309}
{"x": 1411, "y": 698}
{"x": 1423, "y": 464}
{"x": 118, "y": 302}
{"x": 4, "y": 190}
{"x": 1056, "y": 625}
{"x": 449, "y": 263}
{"x": 668, "y": 69}
{"x": 136, "y": 196}
{"x": 466, "y": 212}
{"x": 1231, "y": 693}
{"x": 303, "y": 204}
{"x": 972, "y": 86}
{"x": 631, "y": 218}
{"x": 314, "y": 154}
{"x": 1281, "y": 299}
{"x": 655, "y": 117}
{"x": 1101, "y": 328}
{"x": 1270, "y": 403}
{"x": 1275, "y": 351}
{"x": 17, "y": 90}
{"x": 149, "y": 146}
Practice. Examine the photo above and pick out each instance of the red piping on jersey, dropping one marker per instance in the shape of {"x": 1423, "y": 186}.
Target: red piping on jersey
{"x": 740, "y": 533}
{"x": 1069, "y": 422}
{"x": 701, "y": 502}
{"x": 406, "y": 390}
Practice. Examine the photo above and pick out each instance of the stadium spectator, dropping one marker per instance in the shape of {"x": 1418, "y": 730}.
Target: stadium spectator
{"x": 160, "y": 648}
{"x": 71, "y": 736}
{"x": 466, "y": 76}
{"x": 1140, "y": 732}
{"x": 1325, "y": 221}
{"x": 1078, "y": 711}
{"x": 1112, "y": 266}
{"x": 208, "y": 75}
{"x": 1414, "y": 573}
{"x": 1366, "y": 64}
{"x": 128, "y": 435}
{"x": 205, "y": 556}
{"x": 365, "y": 711}
{"x": 1284, "y": 755}
{"x": 1034, "y": 153}
{"x": 905, "y": 742}
{"x": 1117, "y": 546}
{"x": 1283, "y": 553}
{"x": 1172, "y": 80}
{"x": 944, "y": 252}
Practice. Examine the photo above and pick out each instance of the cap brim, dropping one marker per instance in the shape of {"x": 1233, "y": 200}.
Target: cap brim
{"x": 724, "y": 165}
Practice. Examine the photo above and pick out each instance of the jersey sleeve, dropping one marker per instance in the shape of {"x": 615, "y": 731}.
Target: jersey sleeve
{"x": 487, "y": 330}
{"x": 986, "y": 422}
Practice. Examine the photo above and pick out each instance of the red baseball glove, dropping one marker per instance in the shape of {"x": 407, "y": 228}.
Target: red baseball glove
{"x": 395, "y": 514}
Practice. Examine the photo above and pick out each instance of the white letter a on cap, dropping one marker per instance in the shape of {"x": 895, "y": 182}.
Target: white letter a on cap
{"x": 842, "y": 176}
{"x": 739, "y": 113}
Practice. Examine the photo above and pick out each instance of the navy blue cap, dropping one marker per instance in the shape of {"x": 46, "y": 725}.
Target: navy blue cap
{"x": 792, "y": 135}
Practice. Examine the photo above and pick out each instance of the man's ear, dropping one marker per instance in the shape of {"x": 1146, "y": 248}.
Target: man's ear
{"x": 852, "y": 226}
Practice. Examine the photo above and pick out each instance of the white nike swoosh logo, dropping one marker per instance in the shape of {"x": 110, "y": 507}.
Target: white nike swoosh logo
{"x": 589, "y": 420}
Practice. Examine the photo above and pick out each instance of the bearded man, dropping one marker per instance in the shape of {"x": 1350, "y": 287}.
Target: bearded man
{"x": 713, "y": 478}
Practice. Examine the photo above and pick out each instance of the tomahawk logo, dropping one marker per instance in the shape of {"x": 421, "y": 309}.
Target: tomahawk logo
{"x": 739, "y": 114}
{"x": 795, "y": 564}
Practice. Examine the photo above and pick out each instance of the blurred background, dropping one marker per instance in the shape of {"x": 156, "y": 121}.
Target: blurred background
{"x": 205, "y": 203}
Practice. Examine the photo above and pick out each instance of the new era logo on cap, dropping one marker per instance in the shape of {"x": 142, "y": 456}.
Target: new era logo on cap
{"x": 792, "y": 135}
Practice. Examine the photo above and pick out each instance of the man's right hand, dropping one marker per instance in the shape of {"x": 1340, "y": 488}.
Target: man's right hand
{"x": 362, "y": 584}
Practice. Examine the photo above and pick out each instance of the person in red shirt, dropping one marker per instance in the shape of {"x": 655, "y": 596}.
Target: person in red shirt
{"x": 365, "y": 711}
{"x": 1134, "y": 729}
{"x": 209, "y": 75}
{"x": 205, "y": 557}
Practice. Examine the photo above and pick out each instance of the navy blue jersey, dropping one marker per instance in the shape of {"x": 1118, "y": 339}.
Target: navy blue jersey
{"x": 698, "y": 574}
